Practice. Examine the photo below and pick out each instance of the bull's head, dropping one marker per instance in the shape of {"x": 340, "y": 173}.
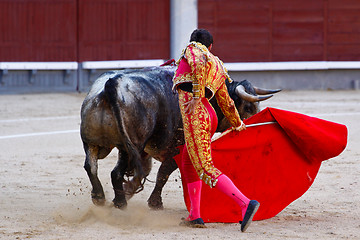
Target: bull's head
{"x": 246, "y": 98}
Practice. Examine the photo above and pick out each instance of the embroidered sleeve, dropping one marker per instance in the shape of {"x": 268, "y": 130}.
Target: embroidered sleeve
{"x": 227, "y": 106}
{"x": 197, "y": 61}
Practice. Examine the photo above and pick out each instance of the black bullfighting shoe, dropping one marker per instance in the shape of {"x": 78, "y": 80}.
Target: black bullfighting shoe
{"x": 196, "y": 223}
{"x": 249, "y": 214}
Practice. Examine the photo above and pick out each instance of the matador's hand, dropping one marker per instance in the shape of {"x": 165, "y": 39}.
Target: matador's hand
{"x": 191, "y": 105}
{"x": 241, "y": 127}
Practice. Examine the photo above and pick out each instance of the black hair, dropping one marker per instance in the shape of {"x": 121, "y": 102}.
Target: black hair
{"x": 202, "y": 36}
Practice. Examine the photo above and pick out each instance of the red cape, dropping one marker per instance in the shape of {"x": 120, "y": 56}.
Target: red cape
{"x": 274, "y": 163}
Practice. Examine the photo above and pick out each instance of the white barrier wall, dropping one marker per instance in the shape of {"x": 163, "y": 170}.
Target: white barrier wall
{"x": 32, "y": 77}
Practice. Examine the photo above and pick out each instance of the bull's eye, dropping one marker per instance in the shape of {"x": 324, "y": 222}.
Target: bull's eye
{"x": 247, "y": 108}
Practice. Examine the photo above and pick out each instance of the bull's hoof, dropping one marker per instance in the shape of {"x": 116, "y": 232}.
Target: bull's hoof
{"x": 121, "y": 204}
{"x": 98, "y": 200}
{"x": 155, "y": 204}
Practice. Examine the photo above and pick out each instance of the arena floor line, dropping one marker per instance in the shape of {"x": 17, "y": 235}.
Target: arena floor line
{"x": 37, "y": 119}
{"x": 39, "y": 134}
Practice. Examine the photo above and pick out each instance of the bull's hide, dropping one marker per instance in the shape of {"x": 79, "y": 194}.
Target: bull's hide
{"x": 274, "y": 164}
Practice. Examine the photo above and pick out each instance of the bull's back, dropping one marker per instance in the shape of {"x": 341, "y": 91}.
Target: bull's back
{"x": 147, "y": 107}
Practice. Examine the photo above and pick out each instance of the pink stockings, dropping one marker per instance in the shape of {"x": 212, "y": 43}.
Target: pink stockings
{"x": 225, "y": 185}
{"x": 194, "y": 190}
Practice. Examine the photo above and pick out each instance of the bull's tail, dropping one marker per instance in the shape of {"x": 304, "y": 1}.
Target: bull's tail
{"x": 110, "y": 91}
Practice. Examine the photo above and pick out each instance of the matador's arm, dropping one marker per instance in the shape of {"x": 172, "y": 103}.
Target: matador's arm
{"x": 227, "y": 106}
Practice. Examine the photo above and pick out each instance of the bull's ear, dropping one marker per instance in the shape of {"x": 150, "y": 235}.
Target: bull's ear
{"x": 240, "y": 92}
{"x": 263, "y": 91}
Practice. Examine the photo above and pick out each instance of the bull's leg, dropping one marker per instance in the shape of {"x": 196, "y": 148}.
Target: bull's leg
{"x": 167, "y": 167}
{"x": 117, "y": 179}
{"x": 91, "y": 167}
{"x": 132, "y": 186}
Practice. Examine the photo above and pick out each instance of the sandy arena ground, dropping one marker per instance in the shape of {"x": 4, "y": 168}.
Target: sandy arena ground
{"x": 45, "y": 192}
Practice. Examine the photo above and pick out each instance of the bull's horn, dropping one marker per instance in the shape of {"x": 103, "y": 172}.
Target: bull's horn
{"x": 263, "y": 91}
{"x": 240, "y": 92}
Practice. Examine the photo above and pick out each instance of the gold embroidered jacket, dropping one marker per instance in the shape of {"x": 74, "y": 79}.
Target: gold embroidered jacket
{"x": 205, "y": 72}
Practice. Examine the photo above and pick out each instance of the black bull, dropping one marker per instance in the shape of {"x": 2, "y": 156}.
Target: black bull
{"x": 137, "y": 112}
